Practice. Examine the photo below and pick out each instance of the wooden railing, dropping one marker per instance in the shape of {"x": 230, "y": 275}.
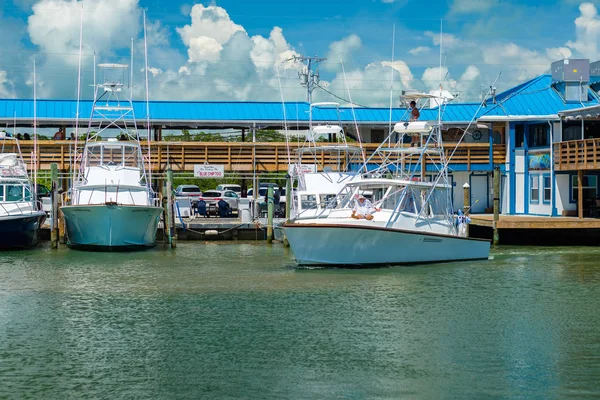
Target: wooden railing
{"x": 242, "y": 156}
{"x": 577, "y": 155}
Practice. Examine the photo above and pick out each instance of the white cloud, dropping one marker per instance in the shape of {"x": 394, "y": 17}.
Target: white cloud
{"x": 342, "y": 50}
{"x": 55, "y": 24}
{"x": 587, "y": 32}
{"x": 6, "y": 86}
{"x": 472, "y": 6}
{"x": 419, "y": 50}
{"x": 212, "y": 27}
{"x": 448, "y": 40}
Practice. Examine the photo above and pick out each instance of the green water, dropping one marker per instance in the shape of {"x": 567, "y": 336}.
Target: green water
{"x": 232, "y": 320}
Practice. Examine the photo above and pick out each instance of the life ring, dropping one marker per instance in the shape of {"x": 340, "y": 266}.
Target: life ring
{"x": 477, "y": 135}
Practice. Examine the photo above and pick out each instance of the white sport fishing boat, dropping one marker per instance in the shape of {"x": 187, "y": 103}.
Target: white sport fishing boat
{"x": 20, "y": 213}
{"x": 407, "y": 218}
{"x": 112, "y": 206}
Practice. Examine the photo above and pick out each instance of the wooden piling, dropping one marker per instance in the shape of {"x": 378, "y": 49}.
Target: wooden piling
{"x": 496, "y": 237}
{"x": 466, "y": 197}
{"x": 54, "y": 214}
{"x": 270, "y": 214}
{"x": 580, "y": 193}
{"x": 170, "y": 223}
{"x": 288, "y": 206}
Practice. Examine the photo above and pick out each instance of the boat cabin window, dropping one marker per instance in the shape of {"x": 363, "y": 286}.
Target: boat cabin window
{"x": 308, "y": 201}
{"x": 16, "y": 193}
{"x": 328, "y": 201}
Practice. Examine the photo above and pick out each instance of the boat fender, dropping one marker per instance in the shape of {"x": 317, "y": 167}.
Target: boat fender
{"x": 211, "y": 232}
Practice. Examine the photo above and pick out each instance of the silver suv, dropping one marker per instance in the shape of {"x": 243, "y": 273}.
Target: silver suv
{"x": 212, "y": 197}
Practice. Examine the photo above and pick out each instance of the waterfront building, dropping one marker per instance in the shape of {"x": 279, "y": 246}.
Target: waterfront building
{"x": 543, "y": 135}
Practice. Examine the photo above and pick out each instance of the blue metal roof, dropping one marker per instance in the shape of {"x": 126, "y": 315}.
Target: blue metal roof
{"x": 534, "y": 97}
{"x": 202, "y": 111}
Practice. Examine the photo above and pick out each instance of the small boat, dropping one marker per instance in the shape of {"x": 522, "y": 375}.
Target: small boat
{"x": 20, "y": 213}
{"x": 394, "y": 214}
{"x": 112, "y": 205}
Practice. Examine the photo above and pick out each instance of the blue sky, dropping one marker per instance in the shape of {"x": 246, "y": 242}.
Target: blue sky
{"x": 234, "y": 50}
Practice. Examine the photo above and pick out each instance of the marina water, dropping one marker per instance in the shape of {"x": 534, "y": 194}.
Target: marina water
{"x": 238, "y": 320}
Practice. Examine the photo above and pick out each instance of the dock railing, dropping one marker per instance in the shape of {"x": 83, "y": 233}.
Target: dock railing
{"x": 577, "y": 155}
{"x": 243, "y": 156}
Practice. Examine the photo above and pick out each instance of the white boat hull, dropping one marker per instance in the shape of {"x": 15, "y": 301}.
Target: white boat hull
{"x": 363, "y": 246}
{"x": 111, "y": 227}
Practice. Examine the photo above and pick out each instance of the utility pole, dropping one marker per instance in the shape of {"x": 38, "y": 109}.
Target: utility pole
{"x": 309, "y": 78}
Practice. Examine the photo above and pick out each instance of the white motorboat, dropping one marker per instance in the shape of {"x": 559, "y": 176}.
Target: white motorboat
{"x": 112, "y": 205}
{"x": 21, "y": 216}
{"x": 410, "y": 219}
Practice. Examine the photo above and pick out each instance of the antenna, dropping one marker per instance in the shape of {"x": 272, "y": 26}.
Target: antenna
{"x": 73, "y": 166}
{"x": 392, "y": 79}
{"x": 308, "y": 78}
{"x": 147, "y": 103}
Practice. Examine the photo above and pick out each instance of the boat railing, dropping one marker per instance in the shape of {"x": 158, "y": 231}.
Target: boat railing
{"x": 21, "y": 211}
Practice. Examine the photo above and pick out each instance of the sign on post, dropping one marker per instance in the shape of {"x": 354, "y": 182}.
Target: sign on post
{"x": 295, "y": 169}
{"x": 209, "y": 171}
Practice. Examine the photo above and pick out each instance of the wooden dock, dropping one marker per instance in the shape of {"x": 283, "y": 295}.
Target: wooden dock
{"x": 535, "y": 222}
{"x": 538, "y": 230}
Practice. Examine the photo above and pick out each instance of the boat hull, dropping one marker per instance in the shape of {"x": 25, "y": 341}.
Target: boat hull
{"x": 20, "y": 231}
{"x": 362, "y": 246}
{"x": 111, "y": 227}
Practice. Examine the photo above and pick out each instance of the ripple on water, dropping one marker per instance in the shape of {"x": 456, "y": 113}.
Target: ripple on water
{"x": 224, "y": 320}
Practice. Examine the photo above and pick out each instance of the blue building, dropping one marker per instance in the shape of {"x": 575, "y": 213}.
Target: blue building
{"x": 541, "y": 134}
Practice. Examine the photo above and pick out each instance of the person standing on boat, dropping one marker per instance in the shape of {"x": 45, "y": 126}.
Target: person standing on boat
{"x": 363, "y": 208}
{"x": 414, "y": 116}
{"x": 414, "y": 111}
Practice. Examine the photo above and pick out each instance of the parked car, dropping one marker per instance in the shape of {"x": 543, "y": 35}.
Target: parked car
{"x": 212, "y": 197}
{"x": 227, "y": 186}
{"x": 42, "y": 191}
{"x": 191, "y": 191}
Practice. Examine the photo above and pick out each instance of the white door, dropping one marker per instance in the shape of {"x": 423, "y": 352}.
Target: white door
{"x": 479, "y": 193}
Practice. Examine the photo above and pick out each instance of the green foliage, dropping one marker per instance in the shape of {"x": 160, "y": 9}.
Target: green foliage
{"x": 262, "y": 135}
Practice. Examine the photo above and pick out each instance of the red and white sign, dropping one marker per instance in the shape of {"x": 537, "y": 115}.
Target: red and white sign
{"x": 295, "y": 169}
{"x": 209, "y": 171}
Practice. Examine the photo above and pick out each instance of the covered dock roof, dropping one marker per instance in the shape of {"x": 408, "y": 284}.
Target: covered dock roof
{"x": 204, "y": 114}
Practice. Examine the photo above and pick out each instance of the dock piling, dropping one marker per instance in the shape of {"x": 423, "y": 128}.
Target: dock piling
{"x": 54, "y": 213}
{"x": 496, "y": 237}
{"x": 170, "y": 223}
{"x": 270, "y": 214}
{"x": 288, "y": 205}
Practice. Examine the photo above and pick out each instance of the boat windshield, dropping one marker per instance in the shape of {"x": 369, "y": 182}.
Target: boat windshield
{"x": 15, "y": 192}
{"x": 113, "y": 153}
{"x": 427, "y": 202}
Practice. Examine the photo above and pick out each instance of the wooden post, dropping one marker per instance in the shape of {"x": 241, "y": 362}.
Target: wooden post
{"x": 466, "y": 197}
{"x": 288, "y": 205}
{"x": 171, "y": 220}
{"x": 54, "y": 214}
{"x": 580, "y": 193}
{"x": 270, "y": 214}
{"x": 496, "y": 237}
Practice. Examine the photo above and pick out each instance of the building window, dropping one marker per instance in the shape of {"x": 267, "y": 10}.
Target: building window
{"x": 538, "y": 136}
{"x": 547, "y": 189}
{"x": 590, "y": 187}
{"x": 571, "y": 131}
{"x": 519, "y": 135}
{"x": 534, "y": 189}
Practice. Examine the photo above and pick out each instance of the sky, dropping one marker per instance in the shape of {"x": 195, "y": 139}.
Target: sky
{"x": 233, "y": 50}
